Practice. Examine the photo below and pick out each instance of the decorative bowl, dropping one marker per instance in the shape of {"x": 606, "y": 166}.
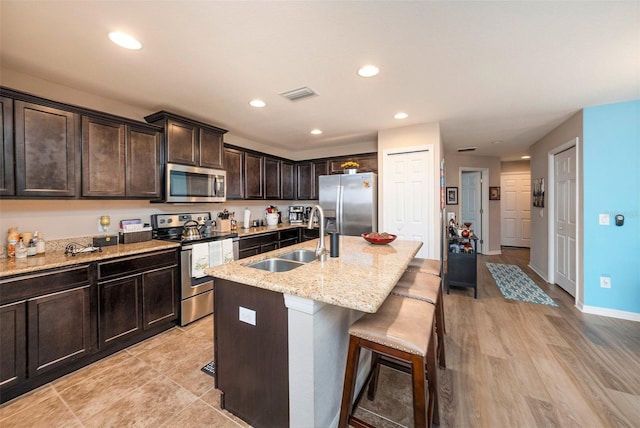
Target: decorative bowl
{"x": 377, "y": 240}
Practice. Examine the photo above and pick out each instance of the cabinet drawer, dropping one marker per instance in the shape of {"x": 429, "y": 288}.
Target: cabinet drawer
{"x": 51, "y": 281}
{"x": 256, "y": 241}
{"x": 288, "y": 234}
{"x": 287, "y": 242}
{"x": 134, "y": 264}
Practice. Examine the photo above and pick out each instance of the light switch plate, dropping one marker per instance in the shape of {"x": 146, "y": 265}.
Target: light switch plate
{"x": 604, "y": 219}
{"x": 247, "y": 315}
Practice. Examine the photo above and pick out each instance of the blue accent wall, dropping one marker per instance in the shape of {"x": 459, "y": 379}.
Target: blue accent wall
{"x": 611, "y": 171}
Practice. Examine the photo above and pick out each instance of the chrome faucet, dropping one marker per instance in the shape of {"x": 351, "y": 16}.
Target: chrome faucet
{"x": 321, "y": 250}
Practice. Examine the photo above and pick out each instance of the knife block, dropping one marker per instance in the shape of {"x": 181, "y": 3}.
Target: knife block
{"x": 222, "y": 225}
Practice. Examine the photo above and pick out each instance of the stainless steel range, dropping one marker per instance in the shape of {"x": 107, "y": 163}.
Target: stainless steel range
{"x": 200, "y": 248}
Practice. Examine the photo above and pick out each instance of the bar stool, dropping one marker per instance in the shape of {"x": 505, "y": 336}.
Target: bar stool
{"x": 401, "y": 329}
{"x": 429, "y": 266}
{"x": 426, "y": 287}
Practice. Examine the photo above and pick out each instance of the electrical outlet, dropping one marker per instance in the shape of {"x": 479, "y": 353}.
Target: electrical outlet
{"x": 247, "y": 315}
{"x": 605, "y": 282}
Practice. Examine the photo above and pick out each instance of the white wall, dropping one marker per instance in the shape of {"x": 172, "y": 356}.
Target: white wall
{"x": 413, "y": 136}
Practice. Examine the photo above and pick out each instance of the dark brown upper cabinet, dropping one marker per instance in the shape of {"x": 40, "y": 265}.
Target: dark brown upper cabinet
{"x": 368, "y": 163}
{"x": 304, "y": 179}
{"x": 189, "y": 142}
{"x": 319, "y": 168}
{"x": 254, "y": 176}
{"x": 234, "y": 164}
{"x": 272, "y": 178}
{"x": 7, "y": 183}
{"x": 120, "y": 160}
{"x": 287, "y": 180}
{"x": 46, "y": 151}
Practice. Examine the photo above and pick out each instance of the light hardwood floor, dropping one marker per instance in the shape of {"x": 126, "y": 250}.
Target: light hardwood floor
{"x": 509, "y": 364}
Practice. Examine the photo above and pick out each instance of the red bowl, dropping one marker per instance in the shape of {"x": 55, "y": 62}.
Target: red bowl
{"x": 378, "y": 241}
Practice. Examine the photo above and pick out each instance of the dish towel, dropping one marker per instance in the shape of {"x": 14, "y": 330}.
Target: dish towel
{"x": 199, "y": 260}
{"x": 227, "y": 251}
{"x": 215, "y": 253}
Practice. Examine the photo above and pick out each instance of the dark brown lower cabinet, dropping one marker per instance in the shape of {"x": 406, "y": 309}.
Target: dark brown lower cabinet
{"x": 159, "y": 297}
{"x": 119, "y": 304}
{"x": 58, "y": 329}
{"x": 252, "y": 364}
{"x": 13, "y": 344}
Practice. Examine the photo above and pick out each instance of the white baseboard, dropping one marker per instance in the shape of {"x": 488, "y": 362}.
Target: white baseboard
{"x": 611, "y": 313}
{"x": 539, "y": 272}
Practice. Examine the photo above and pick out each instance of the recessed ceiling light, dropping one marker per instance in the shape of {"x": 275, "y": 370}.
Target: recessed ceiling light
{"x": 316, "y": 132}
{"x": 525, "y": 157}
{"x": 257, "y": 103}
{"x": 368, "y": 71}
{"x": 401, "y": 115}
{"x": 125, "y": 40}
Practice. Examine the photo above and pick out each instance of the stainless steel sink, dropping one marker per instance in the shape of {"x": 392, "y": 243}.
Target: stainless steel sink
{"x": 304, "y": 256}
{"x": 276, "y": 265}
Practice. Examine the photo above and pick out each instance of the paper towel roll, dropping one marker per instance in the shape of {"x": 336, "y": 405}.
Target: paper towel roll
{"x": 247, "y": 218}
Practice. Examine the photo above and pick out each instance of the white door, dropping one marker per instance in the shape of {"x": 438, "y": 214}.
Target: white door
{"x": 565, "y": 219}
{"x": 471, "y": 203}
{"x": 408, "y": 199}
{"x": 515, "y": 209}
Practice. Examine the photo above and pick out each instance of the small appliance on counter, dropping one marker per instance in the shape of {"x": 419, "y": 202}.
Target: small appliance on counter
{"x": 296, "y": 214}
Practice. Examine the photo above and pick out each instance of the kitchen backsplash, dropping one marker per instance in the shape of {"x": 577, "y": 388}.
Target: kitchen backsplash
{"x": 62, "y": 220}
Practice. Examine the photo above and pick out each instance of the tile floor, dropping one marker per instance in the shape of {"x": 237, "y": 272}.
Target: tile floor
{"x": 156, "y": 383}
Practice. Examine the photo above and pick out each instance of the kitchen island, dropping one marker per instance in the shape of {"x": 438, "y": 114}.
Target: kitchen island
{"x": 281, "y": 337}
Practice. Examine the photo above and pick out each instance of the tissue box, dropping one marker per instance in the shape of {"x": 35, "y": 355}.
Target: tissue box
{"x": 131, "y": 237}
{"x": 222, "y": 225}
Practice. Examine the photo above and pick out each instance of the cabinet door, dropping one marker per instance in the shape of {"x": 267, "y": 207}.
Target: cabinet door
{"x": 368, "y": 163}
{"x": 103, "y": 158}
{"x": 210, "y": 148}
{"x": 7, "y": 184}
{"x": 304, "y": 171}
{"x": 319, "y": 168}
{"x": 159, "y": 297}
{"x": 119, "y": 309}
{"x": 46, "y": 150}
{"x": 182, "y": 140}
{"x": 254, "y": 176}
{"x": 143, "y": 178}
{"x": 287, "y": 180}
{"x": 234, "y": 164}
{"x": 13, "y": 344}
{"x": 58, "y": 329}
{"x": 272, "y": 178}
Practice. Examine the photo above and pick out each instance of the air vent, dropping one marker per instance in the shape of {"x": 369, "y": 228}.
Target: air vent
{"x": 297, "y": 94}
{"x": 466, "y": 149}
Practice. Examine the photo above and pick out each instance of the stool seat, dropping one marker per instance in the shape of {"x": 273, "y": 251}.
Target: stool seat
{"x": 399, "y": 324}
{"x": 418, "y": 286}
{"x": 430, "y": 266}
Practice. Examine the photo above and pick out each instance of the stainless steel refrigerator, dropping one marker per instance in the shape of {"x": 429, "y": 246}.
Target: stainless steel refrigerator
{"x": 350, "y": 202}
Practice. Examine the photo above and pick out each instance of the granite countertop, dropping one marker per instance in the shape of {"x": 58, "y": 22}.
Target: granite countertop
{"x": 57, "y": 258}
{"x": 361, "y": 278}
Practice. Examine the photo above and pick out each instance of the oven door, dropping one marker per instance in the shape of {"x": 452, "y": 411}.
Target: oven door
{"x": 192, "y": 184}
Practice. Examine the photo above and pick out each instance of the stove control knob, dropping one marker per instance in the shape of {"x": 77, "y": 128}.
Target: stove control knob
{"x": 170, "y": 220}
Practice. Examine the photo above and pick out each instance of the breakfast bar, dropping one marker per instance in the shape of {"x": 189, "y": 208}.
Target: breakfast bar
{"x": 296, "y": 322}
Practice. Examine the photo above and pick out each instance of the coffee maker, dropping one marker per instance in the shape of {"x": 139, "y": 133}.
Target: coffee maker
{"x": 296, "y": 214}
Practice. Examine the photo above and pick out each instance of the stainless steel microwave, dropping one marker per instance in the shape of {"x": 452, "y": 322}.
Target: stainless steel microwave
{"x": 193, "y": 184}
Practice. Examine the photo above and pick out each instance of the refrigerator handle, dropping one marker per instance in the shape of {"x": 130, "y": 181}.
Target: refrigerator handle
{"x": 339, "y": 211}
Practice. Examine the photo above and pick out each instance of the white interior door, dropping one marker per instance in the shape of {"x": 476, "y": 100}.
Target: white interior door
{"x": 408, "y": 199}
{"x": 565, "y": 219}
{"x": 471, "y": 203}
{"x": 515, "y": 209}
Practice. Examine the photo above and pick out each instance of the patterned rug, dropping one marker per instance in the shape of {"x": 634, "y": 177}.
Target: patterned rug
{"x": 514, "y": 284}
{"x": 210, "y": 369}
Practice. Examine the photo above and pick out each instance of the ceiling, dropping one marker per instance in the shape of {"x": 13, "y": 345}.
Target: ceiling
{"x": 486, "y": 71}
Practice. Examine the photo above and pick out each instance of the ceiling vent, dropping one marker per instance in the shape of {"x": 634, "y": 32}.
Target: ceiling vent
{"x": 466, "y": 149}
{"x": 298, "y": 94}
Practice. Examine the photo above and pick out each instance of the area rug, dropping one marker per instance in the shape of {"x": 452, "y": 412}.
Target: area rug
{"x": 210, "y": 369}
{"x": 514, "y": 284}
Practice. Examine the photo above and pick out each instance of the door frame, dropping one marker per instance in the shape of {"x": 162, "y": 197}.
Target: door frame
{"x": 484, "y": 247}
{"x": 551, "y": 216}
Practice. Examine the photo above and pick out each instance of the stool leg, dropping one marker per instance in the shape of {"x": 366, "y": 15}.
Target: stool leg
{"x": 421, "y": 412}
{"x": 432, "y": 379}
{"x": 440, "y": 330}
{"x": 375, "y": 375}
{"x": 349, "y": 380}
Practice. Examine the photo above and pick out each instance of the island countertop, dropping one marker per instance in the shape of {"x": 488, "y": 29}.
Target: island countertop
{"x": 361, "y": 278}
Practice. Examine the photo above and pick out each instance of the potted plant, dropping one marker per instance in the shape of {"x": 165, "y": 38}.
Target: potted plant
{"x": 350, "y": 167}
